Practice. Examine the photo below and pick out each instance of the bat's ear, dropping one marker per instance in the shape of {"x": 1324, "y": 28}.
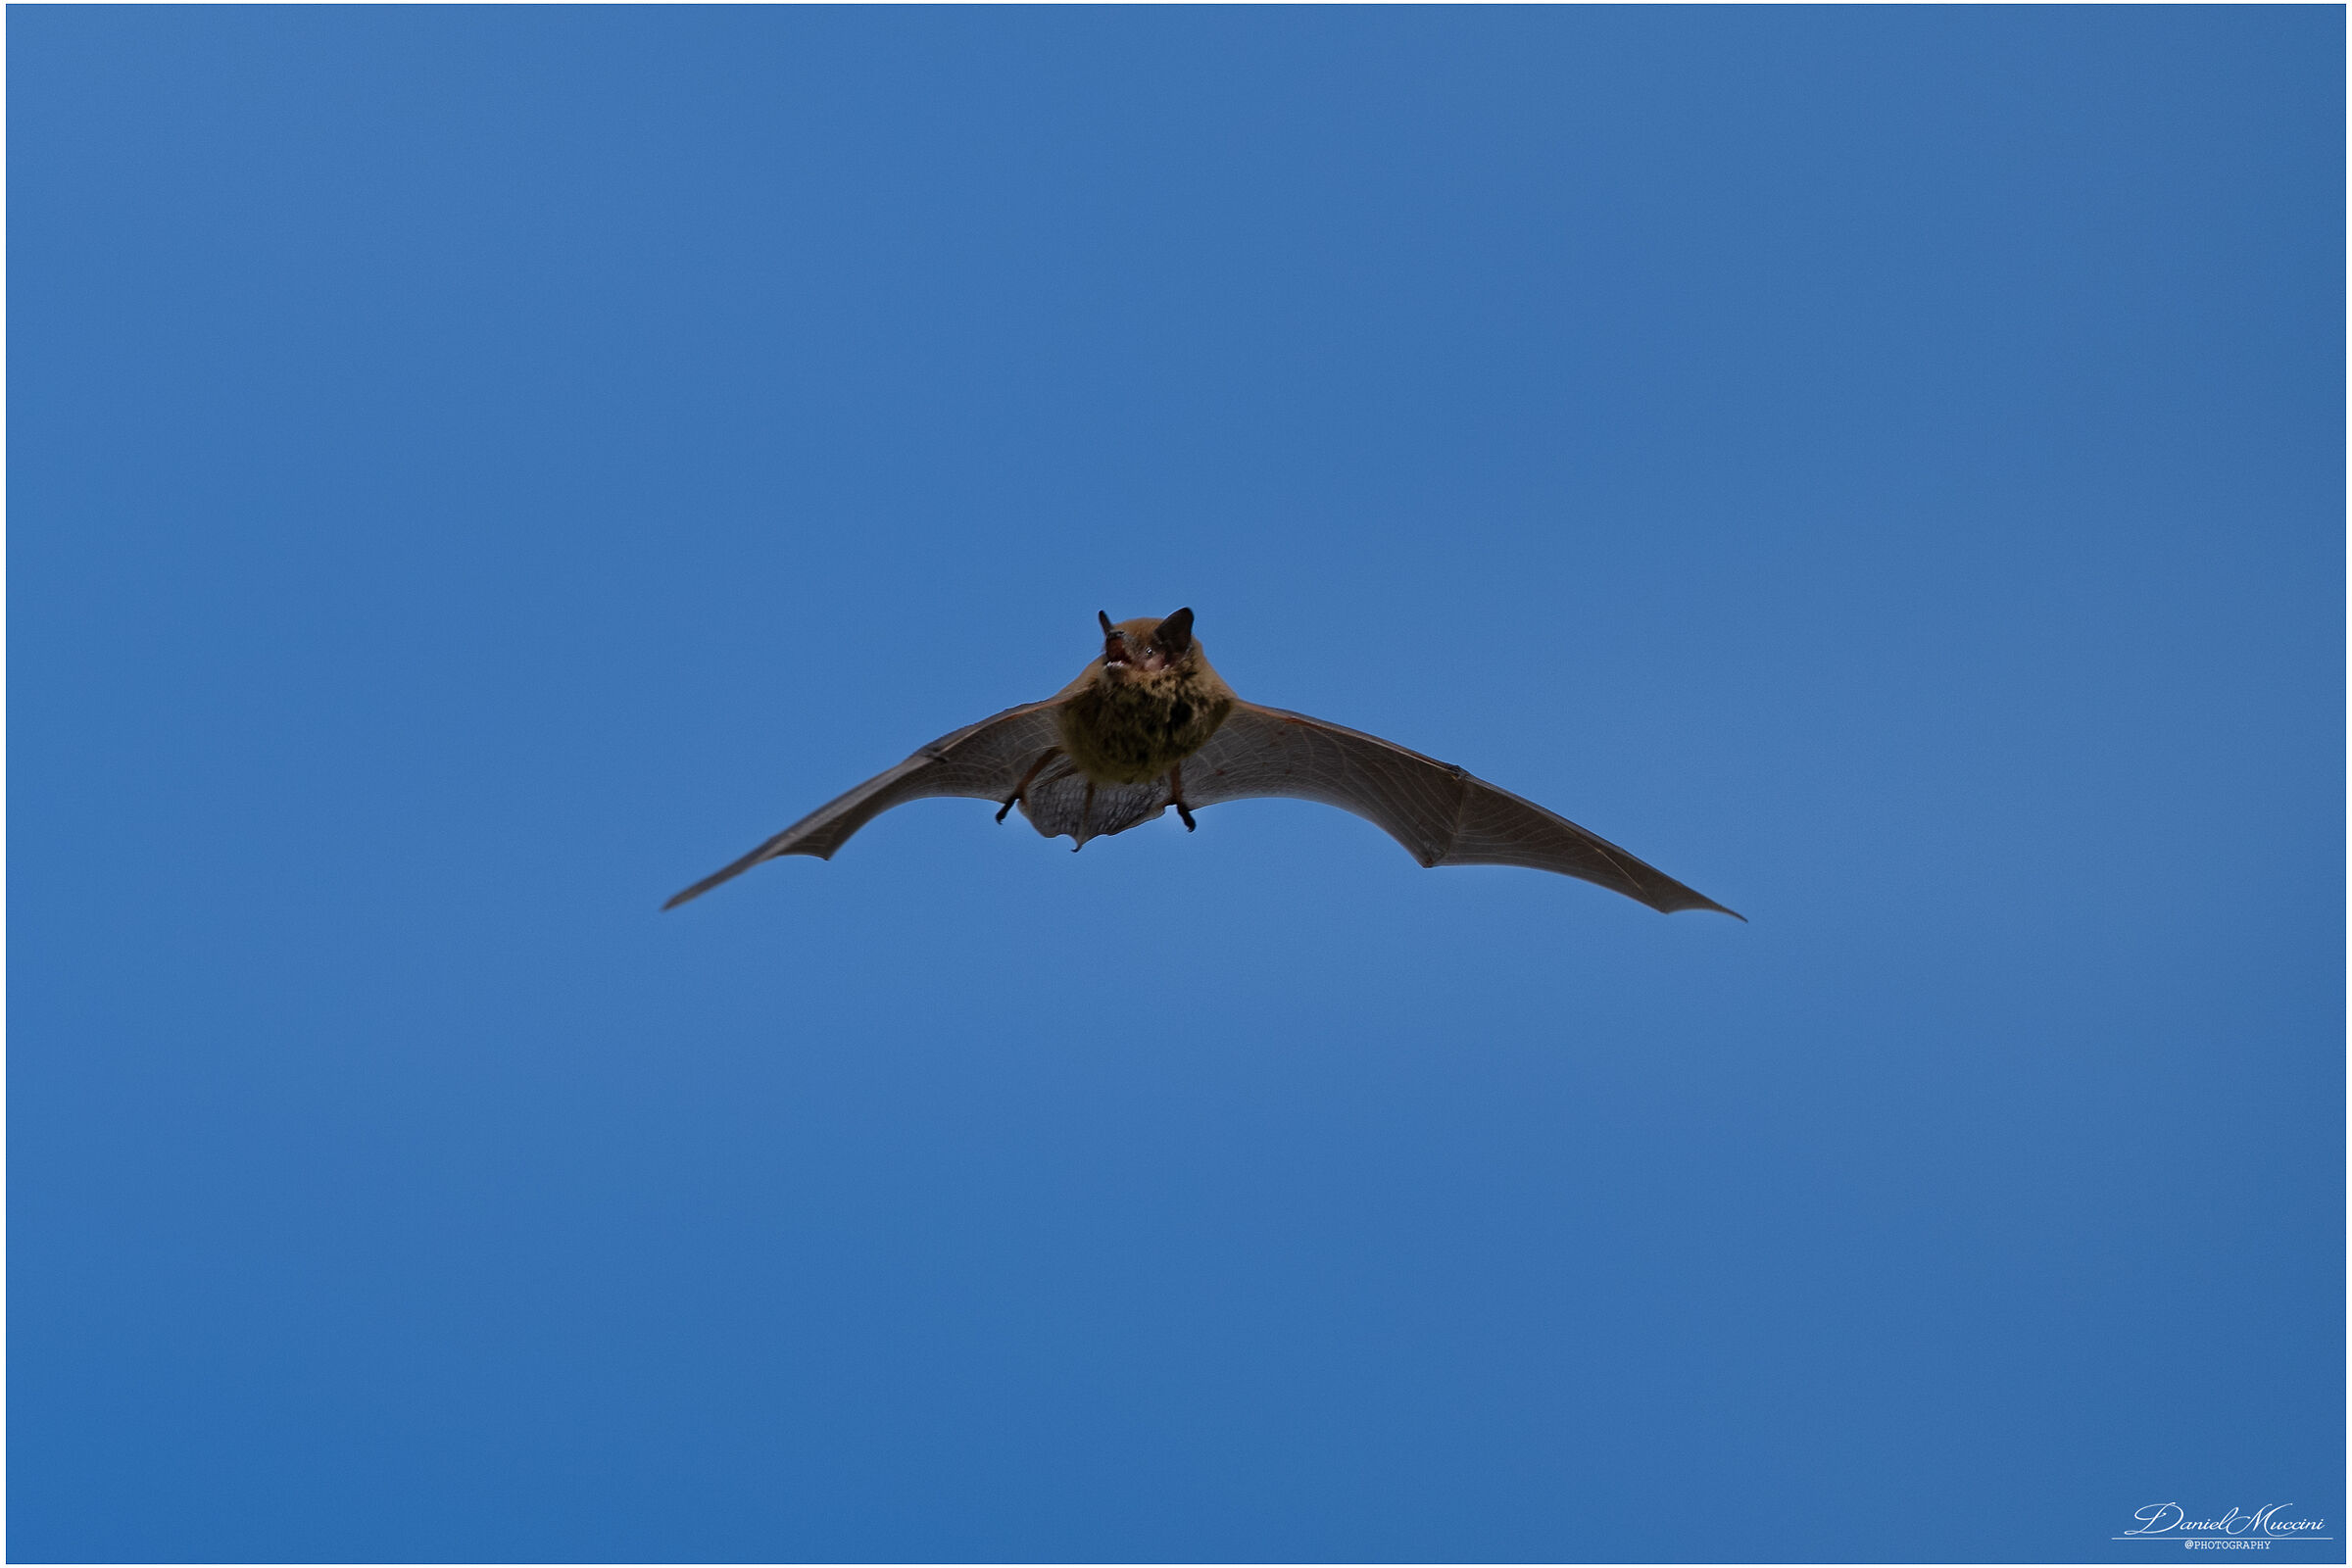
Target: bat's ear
{"x": 1174, "y": 635}
{"x": 1104, "y": 615}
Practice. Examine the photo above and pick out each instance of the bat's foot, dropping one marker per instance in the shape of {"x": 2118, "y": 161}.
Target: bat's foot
{"x": 1022, "y": 788}
{"x": 1184, "y": 812}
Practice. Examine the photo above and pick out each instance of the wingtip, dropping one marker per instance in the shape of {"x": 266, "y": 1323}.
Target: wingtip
{"x": 1698, "y": 901}
{"x": 701, "y": 888}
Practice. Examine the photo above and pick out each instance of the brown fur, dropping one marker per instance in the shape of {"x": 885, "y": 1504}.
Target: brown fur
{"x": 1126, "y": 725}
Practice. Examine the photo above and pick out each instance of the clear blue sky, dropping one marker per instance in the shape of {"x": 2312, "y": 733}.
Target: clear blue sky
{"x": 474, "y": 471}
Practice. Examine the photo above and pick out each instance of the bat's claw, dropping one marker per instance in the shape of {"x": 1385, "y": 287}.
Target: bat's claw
{"x": 1184, "y": 812}
{"x": 1022, "y": 788}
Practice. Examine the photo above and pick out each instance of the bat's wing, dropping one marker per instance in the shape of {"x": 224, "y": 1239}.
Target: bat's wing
{"x": 986, "y": 760}
{"x": 1442, "y": 814}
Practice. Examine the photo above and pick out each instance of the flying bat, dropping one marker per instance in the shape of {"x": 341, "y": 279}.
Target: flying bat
{"x": 1148, "y": 724}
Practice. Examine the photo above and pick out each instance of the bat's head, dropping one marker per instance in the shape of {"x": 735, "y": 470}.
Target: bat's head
{"x": 1146, "y": 646}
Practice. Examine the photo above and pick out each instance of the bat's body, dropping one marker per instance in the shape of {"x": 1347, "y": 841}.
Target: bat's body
{"x": 1149, "y": 724}
{"x": 1135, "y": 713}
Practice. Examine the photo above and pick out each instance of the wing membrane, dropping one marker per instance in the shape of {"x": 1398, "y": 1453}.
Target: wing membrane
{"x": 1059, "y": 803}
{"x": 986, "y": 760}
{"x": 1442, "y": 814}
